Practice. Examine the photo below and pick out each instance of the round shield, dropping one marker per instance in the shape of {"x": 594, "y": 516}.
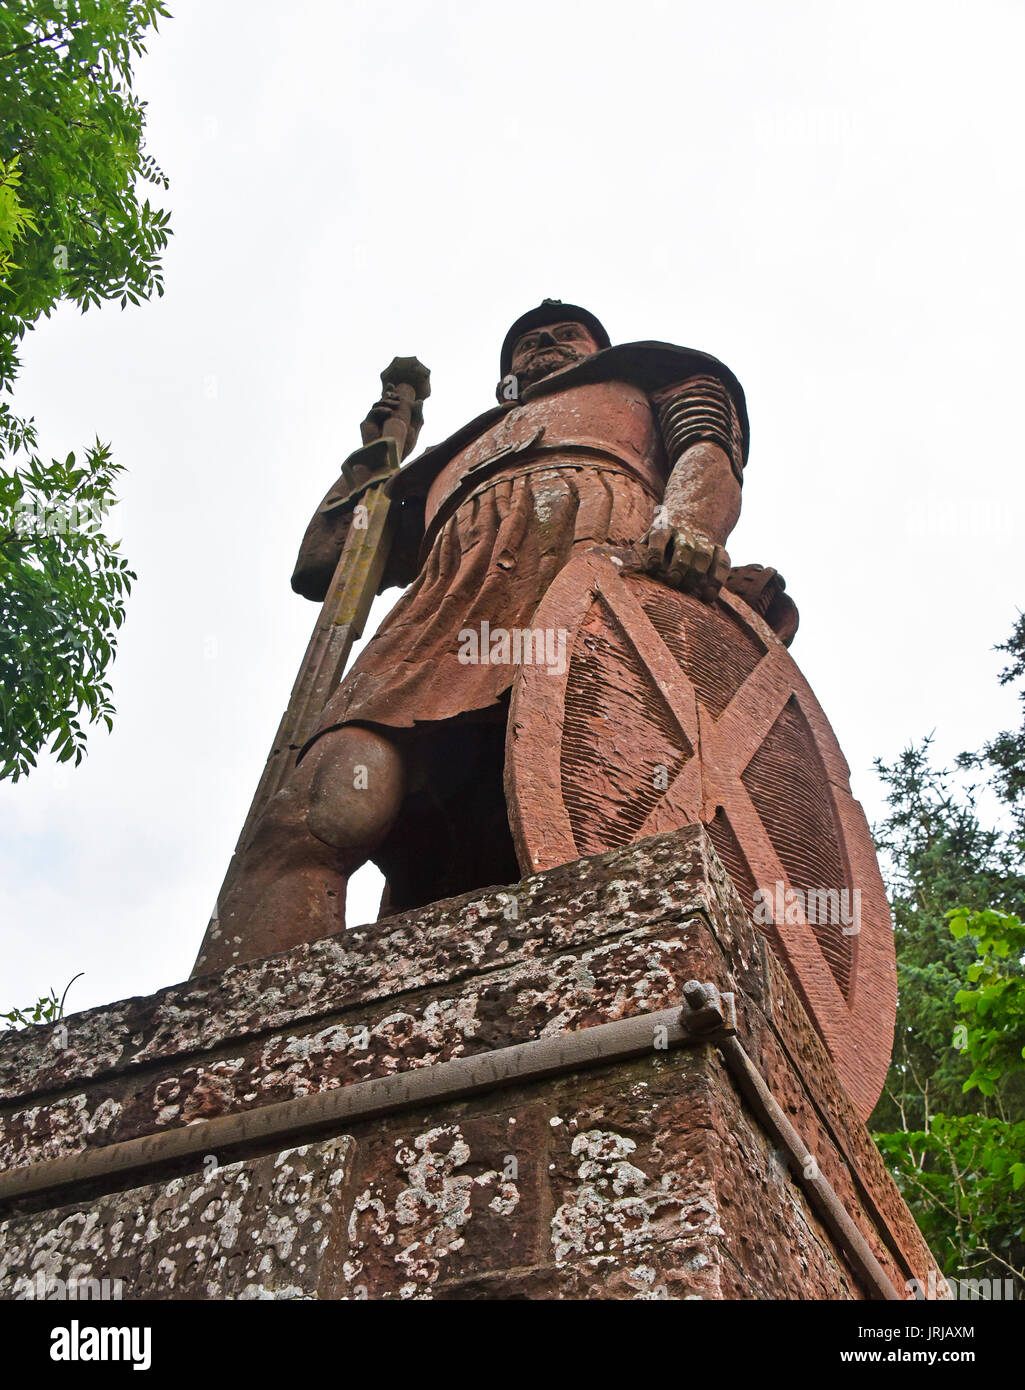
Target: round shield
{"x": 667, "y": 711}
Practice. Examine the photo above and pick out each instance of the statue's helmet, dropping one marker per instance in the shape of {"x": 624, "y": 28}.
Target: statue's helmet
{"x": 551, "y": 311}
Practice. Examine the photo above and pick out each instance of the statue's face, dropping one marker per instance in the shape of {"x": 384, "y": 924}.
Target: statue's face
{"x": 545, "y": 350}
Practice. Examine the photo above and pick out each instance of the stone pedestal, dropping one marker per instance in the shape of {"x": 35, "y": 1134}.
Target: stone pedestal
{"x": 237, "y": 1136}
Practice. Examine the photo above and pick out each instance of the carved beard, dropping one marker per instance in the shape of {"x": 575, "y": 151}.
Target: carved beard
{"x": 548, "y": 360}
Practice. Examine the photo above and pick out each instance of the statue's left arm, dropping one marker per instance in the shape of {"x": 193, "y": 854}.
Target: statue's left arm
{"x": 700, "y": 427}
{"x": 685, "y": 545}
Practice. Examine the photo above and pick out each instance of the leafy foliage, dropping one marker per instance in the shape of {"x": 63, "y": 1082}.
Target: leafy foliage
{"x": 15, "y": 219}
{"x": 77, "y": 129}
{"x": 937, "y": 857}
{"x": 1004, "y": 756}
{"x": 951, "y": 1121}
{"x": 62, "y": 590}
{"x": 995, "y": 1003}
{"x": 47, "y": 1009}
{"x": 961, "y": 1178}
{"x": 72, "y": 228}
{"x": 962, "y": 1174}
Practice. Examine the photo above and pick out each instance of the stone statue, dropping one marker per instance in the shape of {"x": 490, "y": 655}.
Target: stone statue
{"x": 574, "y": 668}
{"x": 640, "y": 446}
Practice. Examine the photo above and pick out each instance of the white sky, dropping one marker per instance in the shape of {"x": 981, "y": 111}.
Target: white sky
{"x": 828, "y": 197}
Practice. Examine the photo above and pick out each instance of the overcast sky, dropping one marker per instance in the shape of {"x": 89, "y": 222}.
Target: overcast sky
{"x": 828, "y": 197}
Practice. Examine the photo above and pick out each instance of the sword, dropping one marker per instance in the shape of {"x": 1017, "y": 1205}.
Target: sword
{"x": 352, "y": 589}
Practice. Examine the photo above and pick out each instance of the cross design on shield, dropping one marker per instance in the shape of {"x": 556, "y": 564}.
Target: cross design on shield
{"x": 669, "y": 712}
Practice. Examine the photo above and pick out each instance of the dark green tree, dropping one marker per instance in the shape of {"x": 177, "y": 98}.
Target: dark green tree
{"x": 951, "y": 1120}
{"x": 936, "y": 856}
{"x": 1004, "y": 756}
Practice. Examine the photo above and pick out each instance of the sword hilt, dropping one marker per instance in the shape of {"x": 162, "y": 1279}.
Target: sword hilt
{"x": 412, "y": 382}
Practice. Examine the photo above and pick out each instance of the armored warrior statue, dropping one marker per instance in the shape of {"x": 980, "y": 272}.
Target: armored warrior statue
{"x": 626, "y": 883}
{"x": 640, "y": 446}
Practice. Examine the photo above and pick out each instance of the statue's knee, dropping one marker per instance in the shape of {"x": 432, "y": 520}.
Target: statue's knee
{"x": 356, "y": 788}
{"x": 284, "y": 813}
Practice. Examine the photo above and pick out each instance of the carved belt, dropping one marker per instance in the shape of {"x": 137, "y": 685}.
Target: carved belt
{"x": 494, "y": 469}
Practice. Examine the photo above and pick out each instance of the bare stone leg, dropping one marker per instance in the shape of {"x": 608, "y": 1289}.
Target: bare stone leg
{"x": 326, "y": 821}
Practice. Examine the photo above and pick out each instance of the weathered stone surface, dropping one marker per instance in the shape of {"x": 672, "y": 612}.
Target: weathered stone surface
{"x": 258, "y": 1229}
{"x": 636, "y": 973}
{"x": 644, "y": 886}
{"x": 646, "y": 1180}
{"x": 590, "y": 942}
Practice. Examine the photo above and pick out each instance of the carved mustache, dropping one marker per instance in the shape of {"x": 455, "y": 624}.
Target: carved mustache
{"x": 541, "y": 354}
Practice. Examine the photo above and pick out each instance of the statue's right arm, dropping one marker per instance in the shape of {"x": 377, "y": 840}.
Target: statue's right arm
{"x": 325, "y": 539}
{"x": 328, "y": 530}
{"x": 321, "y": 549}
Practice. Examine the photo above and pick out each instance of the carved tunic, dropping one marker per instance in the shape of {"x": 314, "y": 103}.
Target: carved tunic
{"x": 578, "y": 467}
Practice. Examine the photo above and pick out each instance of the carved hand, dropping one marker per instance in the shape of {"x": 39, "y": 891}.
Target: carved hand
{"x": 762, "y": 588}
{"x": 380, "y": 412}
{"x": 685, "y": 559}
